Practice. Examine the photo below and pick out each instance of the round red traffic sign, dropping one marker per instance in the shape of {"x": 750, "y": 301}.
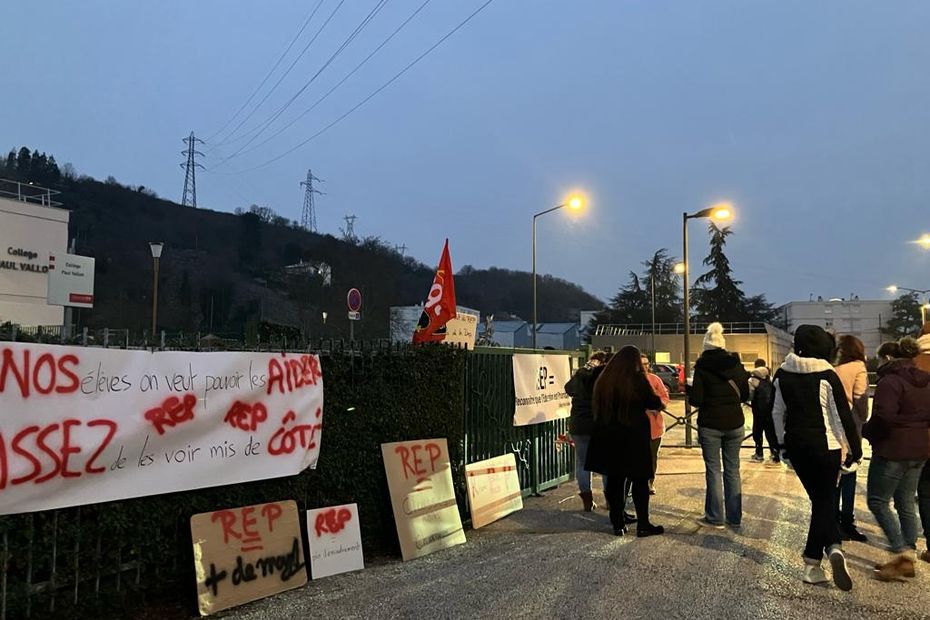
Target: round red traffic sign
{"x": 354, "y": 300}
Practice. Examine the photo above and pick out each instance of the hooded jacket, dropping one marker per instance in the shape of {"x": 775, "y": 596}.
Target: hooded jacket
{"x": 719, "y": 401}
{"x": 581, "y": 388}
{"x": 900, "y": 426}
{"x": 922, "y": 361}
{"x": 811, "y": 412}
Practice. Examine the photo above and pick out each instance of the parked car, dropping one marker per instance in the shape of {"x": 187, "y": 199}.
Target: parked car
{"x": 670, "y": 375}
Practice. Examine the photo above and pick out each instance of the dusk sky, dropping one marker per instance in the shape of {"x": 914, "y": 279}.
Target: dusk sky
{"x": 811, "y": 116}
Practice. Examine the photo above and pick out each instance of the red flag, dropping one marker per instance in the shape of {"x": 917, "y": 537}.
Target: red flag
{"x": 440, "y": 303}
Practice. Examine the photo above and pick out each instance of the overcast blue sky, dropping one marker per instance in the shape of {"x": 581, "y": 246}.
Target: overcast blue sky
{"x": 811, "y": 116}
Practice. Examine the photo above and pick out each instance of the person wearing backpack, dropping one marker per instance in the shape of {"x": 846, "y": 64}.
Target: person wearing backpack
{"x": 762, "y": 401}
{"x": 850, "y": 367}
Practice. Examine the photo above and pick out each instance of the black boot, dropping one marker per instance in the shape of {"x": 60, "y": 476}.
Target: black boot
{"x": 642, "y": 531}
{"x": 848, "y": 531}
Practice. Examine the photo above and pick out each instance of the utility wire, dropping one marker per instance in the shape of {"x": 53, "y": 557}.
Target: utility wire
{"x": 268, "y": 75}
{"x": 280, "y": 79}
{"x": 331, "y": 90}
{"x": 373, "y": 93}
{"x": 368, "y": 18}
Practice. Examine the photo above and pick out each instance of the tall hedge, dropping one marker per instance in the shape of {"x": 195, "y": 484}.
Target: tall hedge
{"x": 370, "y": 398}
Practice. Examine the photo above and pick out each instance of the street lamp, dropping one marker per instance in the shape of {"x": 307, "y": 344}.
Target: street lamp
{"x": 924, "y": 308}
{"x": 575, "y": 202}
{"x": 924, "y": 241}
{"x": 156, "y": 247}
{"x": 721, "y": 212}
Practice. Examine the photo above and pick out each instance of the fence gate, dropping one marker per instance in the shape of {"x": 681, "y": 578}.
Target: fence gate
{"x": 543, "y": 460}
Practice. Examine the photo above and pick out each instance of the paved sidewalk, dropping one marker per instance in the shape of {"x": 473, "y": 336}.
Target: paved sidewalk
{"x": 553, "y": 561}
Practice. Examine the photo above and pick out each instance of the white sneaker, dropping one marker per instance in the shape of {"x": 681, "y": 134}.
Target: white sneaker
{"x": 814, "y": 574}
{"x": 840, "y": 573}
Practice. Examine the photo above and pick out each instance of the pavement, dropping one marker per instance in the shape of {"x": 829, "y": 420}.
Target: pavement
{"x": 551, "y": 560}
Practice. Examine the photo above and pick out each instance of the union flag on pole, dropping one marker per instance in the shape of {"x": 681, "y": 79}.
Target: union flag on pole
{"x": 440, "y": 303}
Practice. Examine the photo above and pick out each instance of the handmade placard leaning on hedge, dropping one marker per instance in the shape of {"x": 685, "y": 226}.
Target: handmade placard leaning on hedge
{"x": 85, "y": 425}
{"x": 419, "y": 477}
{"x": 493, "y": 489}
{"x": 248, "y": 553}
{"x": 335, "y": 540}
{"x": 539, "y": 387}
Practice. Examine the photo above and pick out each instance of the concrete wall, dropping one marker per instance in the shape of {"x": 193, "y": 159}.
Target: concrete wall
{"x": 28, "y": 233}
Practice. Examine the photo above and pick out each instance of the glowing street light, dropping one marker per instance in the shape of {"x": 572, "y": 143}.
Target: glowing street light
{"x": 679, "y": 268}
{"x": 924, "y": 241}
{"x": 720, "y": 212}
{"x": 575, "y": 202}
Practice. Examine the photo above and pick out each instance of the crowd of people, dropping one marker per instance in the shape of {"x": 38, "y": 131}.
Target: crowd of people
{"x": 813, "y": 412}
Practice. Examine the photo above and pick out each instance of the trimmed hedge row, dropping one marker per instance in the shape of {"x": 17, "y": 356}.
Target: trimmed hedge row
{"x": 142, "y": 546}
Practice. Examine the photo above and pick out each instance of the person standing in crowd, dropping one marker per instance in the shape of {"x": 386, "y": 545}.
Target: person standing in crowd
{"x": 762, "y": 399}
{"x": 922, "y": 361}
{"x": 581, "y": 421}
{"x": 719, "y": 388}
{"x": 899, "y": 432}
{"x": 816, "y": 429}
{"x": 620, "y": 443}
{"x": 850, "y": 367}
{"x": 656, "y": 418}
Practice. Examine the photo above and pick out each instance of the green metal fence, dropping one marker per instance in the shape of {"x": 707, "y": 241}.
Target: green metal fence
{"x": 543, "y": 461}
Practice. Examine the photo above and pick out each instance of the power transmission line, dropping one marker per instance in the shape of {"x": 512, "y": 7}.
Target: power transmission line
{"x": 331, "y": 90}
{"x": 189, "y": 196}
{"x": 280, "y": 79}
{"x": 308, "y": 216}
{"x": 303, "y": 27}
{"x": 348, "y": 233}
{"x": 371, "y": 95}
{"x": 256, "y": 133}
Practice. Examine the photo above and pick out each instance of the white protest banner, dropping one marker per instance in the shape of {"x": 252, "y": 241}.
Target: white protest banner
{"x": 335, "y": 539}
{"x": 462, "y": 330}
{"x": 419, "y": 478}
{"x": 244, "y": 554}
{"x": 539, "y": 385}
{"x": 493, "y": 489}
{"x": 86, "y": 425}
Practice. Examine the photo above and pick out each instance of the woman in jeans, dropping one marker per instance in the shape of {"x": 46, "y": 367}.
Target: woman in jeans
{"x": 581, "y": 422}
{"x": 620, "y": 444}
{"x": 855, "y": 379}
{"x": 899, "y": 432}
{"x": 816, "y": 428}
{"x": 720, "y": 386}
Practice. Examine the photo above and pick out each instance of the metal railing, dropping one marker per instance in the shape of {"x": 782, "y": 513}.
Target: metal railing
{"x": 641, "y": 329}
{"x": 28, "y": 192}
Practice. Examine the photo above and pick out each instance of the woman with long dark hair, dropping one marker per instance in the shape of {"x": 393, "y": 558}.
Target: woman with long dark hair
{"x": 850, "y": 367}
{"x": 621, "y": 440}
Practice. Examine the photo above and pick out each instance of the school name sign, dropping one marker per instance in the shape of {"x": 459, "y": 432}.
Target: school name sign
{"x": 81, "y": 426}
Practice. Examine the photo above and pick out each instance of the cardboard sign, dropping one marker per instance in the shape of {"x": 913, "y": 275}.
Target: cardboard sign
{"x": 462, "y": 330}
{"x": 87, "y": 425}
{"x": 244, "y": 554}
{"x": 539, "y": 385}
{"x": 420, "y": 481}
{"x": 493, "y": 489}
{"x": 335, "y": 540}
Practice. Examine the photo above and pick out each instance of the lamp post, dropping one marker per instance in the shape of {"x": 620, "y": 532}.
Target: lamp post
{"x": 575, "y": 203}
{"x": 156, "y": 247}
{"x": 721, "y": 212}
{"x": 924, "y": 241}
{"x": 924, "y": 308}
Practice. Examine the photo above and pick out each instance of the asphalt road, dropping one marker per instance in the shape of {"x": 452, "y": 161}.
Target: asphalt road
{"x": 553, "y": 561}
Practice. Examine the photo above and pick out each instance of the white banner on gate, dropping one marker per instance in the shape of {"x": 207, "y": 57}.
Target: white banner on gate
{"x": 539, "y": 385}
{"x": 82, "y": 425}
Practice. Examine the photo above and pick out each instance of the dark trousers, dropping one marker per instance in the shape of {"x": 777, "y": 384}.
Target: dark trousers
{"x": 923, "y": 501}
{"x": 846, "y": 499}
{"x": 817, "y": 472}
{"x": 764, "y": 424}
{"x": 615, "y": 493}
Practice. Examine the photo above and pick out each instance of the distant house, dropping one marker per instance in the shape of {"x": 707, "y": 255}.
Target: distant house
{"x": 562, "y": 336}
{"x": 509, "y": 334}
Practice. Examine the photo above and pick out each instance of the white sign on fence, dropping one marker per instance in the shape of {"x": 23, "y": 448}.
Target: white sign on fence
{"x": 539, "y": 385}
{"x": 462, "y": 330}
{"x": 70, "y": 280}
{"x": 493, "y": 489}
{"x": 335, "y": 539}
{"x": 86, "y": 425}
